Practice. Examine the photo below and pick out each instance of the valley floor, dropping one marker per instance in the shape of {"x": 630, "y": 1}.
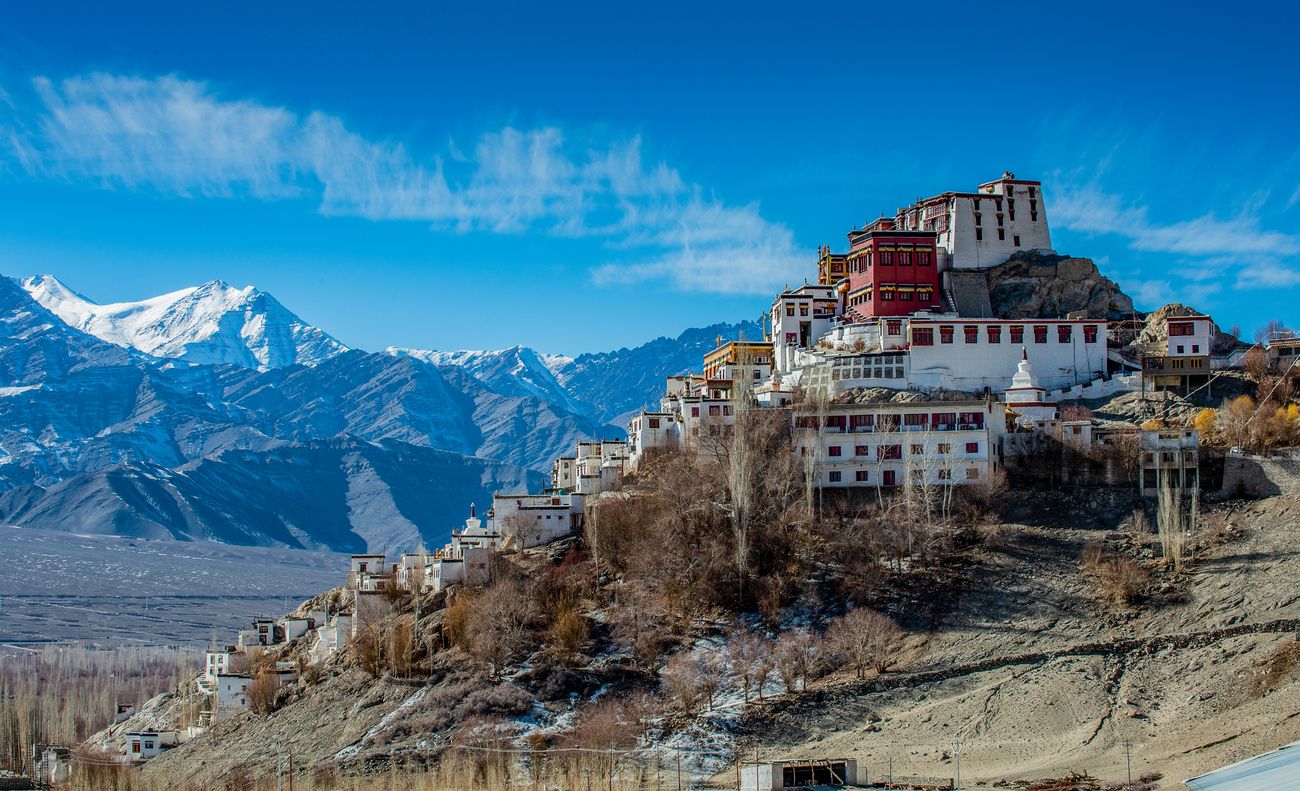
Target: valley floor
{"x": 113, "y": 591}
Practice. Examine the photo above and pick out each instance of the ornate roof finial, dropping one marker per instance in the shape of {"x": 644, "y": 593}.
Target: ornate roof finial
{"x": 471, "y": 510}
{"x": 1024, "y": 353}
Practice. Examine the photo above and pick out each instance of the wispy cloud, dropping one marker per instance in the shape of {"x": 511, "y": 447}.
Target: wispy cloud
{"x": 1088, "y": 209}
{"x": 183, "y": 137}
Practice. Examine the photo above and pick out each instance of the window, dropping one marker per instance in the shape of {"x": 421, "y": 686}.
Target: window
{"x": 945, "y": 448}
{"x": 1064, "y": 333}
{"x": 995, "y": 334}
{"x": 886, "y": 258}
{"x": 1180, "y": 348}
{"x": 803, "y": 310}
{"x": 945, "y": 334}
{"x": 916, "y": 449}
{"x": 860, "y": 476}
{"x": 654, "y": 422}
{"x": 1040, "y": 333}
{"x": 906, "y": 296}
{"x": 978, "y": 217}
{"x": 1196, "y": 348}
{"x": 860, "y": 422}
{"x": 972, "y": 447}
{"x": 979, "y": 234}
{"x": 894, "y": 327}
{"x": 789, "y": 308}
{"x": 922, "y": 257}
{"x": 1002, "y": 235}
{"x": 972, "y": 474}
{"x": 917, "y": 475}
{"x": 887, "y": 295}
{"x": 917, "y": 419}
{"x": 833, "y": 476}
{"x": 922, "y": 336}
{"x": 861, "y": 450}
{"x": 727, "y": 410}
{"x": 904, "y": 258}
{"x": 999, "y": 226}
{"x": 972, "y": 333}
{"x": 695, "y": 411}
{"x": 1090, "y": 334}
{"x": 1180, "y": 328}
{"x": 889, "y": 452}
{"x": 715, "y": 410}
{"x": 889, "y": 477}
{"x": 833, "y": 450}
{"x": 945, "y": 475}
{"x": 1011, "y": 210}
{"x": 1015, "y": 239}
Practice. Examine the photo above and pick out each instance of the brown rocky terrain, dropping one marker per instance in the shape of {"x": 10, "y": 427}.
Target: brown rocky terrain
{"x": 1038, "y": 676}
{"x": 1040, "y": 285}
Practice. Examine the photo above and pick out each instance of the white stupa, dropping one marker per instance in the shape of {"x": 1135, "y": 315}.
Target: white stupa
{"x": 1025, "y": 397}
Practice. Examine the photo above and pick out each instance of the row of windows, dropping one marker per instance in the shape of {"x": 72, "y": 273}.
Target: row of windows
{"x": 1002, "y": 236}
{"x": 940, "y": 421}
{"x": 886, "y": 452}
{"x": 862, "y": 263}
{"x": 715, "y": 410}
{"x": 890, "y": 478}
{"x": 924, "y": 336}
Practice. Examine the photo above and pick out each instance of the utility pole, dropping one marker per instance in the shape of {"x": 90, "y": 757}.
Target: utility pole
{"x": 1128, "y": 762}
{"x": 679, "y": 771}
{"x": 956, "y": 751}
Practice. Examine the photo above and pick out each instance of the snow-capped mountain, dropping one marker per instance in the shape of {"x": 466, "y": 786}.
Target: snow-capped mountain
{"x": 211, "y": 323}
{"x": 101, "y": 432}
{"x": 518, "y": 370}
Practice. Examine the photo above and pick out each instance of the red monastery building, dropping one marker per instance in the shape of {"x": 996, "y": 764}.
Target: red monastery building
{"x": 890, "y": 272}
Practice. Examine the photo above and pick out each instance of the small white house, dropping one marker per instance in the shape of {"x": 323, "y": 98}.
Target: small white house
{"x": 232, "y": 693}
{"x": 1189, "y": 336}
{"x": 292, "y": 628}
{"x": 143, "y": 745}
{"x": 330, "y": 637}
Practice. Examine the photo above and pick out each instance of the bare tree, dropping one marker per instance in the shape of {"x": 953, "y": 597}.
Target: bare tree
{"x": 793, "y": 657}
{"x": 263, "y": 691}
{"x": 681, "y": 678}
{"x": 864, "y": 639}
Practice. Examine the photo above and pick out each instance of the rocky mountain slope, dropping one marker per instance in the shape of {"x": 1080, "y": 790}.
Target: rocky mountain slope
{"x": 100, "y": 434}
{"x": 211, "y": 323}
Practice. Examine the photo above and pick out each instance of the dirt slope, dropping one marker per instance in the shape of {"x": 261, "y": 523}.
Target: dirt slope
{"x": 1185, "y": 704}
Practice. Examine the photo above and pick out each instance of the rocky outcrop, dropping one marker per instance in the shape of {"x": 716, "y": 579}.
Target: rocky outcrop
{"x": 1154, "y": 333}
{"x": 1038, "y": 285}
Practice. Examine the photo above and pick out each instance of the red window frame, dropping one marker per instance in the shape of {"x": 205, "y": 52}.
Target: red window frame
{"x": 889, "y": 452}
{"x": 945, "y": 334}
{"x": 1040, "y": 333}
{"x": 994, "y": 334}
{"x": 923, "y": 336}
{"x": 972, "y": 333}
{"x": 1064, "y": 333}
{"x": 1090, "y": 333}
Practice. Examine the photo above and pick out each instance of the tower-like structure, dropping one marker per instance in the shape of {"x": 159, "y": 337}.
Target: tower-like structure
{"x": 1025, "y": 397}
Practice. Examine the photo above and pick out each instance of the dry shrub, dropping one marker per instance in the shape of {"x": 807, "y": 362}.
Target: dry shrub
{"x": 793, "y": 657}
{"x": 1121, "y": 581}
{"x": 263, "y": 692}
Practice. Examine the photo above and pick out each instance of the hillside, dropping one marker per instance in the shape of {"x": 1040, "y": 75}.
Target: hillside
{"x": 1010, "y": 645}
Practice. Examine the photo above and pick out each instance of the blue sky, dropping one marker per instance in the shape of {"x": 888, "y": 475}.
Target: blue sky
{"x": 580, "y": 178}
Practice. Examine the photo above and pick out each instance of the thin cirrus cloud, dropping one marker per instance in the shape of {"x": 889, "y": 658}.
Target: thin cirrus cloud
{"x": 181, "y": 137}
{"x": 1089, "y": 209}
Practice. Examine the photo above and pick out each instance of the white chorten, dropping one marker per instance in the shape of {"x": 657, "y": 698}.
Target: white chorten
{"x": 1025, "y": 397}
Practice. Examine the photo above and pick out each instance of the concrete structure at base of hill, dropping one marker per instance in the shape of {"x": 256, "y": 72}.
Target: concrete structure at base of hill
{"x": 799, "y": 773}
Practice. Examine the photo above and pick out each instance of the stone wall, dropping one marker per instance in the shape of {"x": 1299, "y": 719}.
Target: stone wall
{"x": 1248, "y": 475}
